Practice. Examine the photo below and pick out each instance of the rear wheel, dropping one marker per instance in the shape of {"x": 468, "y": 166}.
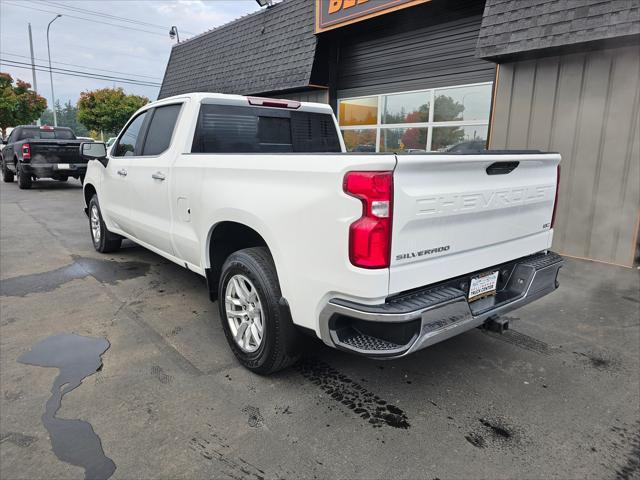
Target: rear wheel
{"x": 103, "y": 240}
{"x": 7, "y": 175}
{"x": 62, "y": 178}
{"x": 260, "y": 332}
{"x": 24, "y": 179}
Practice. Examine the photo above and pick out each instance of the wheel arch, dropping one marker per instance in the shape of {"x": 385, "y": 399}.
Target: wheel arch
{"x": 89, "y": 192}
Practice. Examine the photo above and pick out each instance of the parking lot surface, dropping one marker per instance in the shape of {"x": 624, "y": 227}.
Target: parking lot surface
{"x": 557, "y": 396}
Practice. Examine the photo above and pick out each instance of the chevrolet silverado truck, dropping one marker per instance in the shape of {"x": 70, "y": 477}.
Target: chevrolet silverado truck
{"x": 33, "y": 152}
{"x": 378, "y": 254}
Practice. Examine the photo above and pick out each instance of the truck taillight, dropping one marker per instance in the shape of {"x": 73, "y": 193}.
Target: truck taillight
{"x": 555, "y": 201}
{"x": 26, "y": 151}
{"x": 370, "y": 235}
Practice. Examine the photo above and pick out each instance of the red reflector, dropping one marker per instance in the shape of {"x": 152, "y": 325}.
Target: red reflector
{"x": 271, "y": 102}
{"x": 555, "y": 202}
{"x": 26, "y": 151}
{"x": 370, "y": 235}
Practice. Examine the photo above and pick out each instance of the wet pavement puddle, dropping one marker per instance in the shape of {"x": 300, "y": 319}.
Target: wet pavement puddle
{"x": 72, "y": 441}
{"x": 105, "y": 271}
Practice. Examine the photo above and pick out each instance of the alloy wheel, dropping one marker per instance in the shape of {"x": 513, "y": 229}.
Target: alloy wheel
{"x": 95, "y": 224}
{"x": 244, "y": 313}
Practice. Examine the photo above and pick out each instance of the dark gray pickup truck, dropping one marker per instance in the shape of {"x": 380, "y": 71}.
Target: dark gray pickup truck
{"x": 33, "y": 152}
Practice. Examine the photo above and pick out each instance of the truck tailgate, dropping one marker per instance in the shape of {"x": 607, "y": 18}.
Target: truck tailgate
{"x": 55, "y": 151}
{"x": 456, "y": 214}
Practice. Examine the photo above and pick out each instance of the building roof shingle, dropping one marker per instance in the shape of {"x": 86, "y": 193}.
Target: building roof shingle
{"x": 512, "y": 27}
{"x": 272, "y": 49}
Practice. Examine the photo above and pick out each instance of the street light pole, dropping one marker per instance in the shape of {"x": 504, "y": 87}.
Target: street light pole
{"x": 53, "y": 97}
{"x": 174, "y": 33}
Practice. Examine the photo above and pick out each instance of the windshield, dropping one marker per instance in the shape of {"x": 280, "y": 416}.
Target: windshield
{"x": 37, "y": 133}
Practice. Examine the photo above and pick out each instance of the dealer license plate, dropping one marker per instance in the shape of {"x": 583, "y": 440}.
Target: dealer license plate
{"x": 483, "y": 285}
{"x": 63, "y": 166}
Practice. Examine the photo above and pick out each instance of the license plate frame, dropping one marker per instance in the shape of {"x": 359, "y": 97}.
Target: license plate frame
{"x": 64, "y": 166}
{"x": 483, "y": 285}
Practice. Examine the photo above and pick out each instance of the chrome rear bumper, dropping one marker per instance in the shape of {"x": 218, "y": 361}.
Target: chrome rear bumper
{"x": 414, "y": 320}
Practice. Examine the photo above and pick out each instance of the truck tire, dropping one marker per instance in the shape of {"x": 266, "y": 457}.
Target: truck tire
{"x": 24, "y": 180}
{"x": 63, "y": 178}
{"x": 7, "y": 175}
{"x": 260, "y": 332}
{"x": 103, "y": 240}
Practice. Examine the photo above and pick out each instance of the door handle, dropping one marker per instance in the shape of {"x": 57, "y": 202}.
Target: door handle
{"x": 122, "y": 172}
{"x": 158, "y": 176}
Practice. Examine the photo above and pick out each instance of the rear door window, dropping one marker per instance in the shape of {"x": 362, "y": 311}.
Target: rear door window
{"x": 237, "y": 129}
{"x": 161, "y": 129}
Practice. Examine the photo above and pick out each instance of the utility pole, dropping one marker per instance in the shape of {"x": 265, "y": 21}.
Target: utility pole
{"x": 53, "y": 97}
{"x": 33, "y": 66}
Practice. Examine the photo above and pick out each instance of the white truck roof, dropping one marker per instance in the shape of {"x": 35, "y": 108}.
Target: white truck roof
{"x": 241, "y": 100}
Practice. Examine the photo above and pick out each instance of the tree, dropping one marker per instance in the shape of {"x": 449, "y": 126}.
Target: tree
{"x": 446, "y": 110}
{"x": 67, "y": 117}
{"x": 19, "y": 104}
{"x": 416, "y": 138}
{"x": 107, "y": 109}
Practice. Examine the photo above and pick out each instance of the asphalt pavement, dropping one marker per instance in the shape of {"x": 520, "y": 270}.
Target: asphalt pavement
{"x": 556, "y": 396}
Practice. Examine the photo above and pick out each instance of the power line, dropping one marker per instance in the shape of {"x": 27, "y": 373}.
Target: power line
{"x": 67, "y": 15}
{"x": 71, "y": 73}
{"x": 80, "y": 66}
{"x": 111, "y": 77}
{"x": 107, "y": 15}
{"x": 87, "y": 76}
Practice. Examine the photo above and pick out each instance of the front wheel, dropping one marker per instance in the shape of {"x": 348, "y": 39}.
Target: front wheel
{"x": 103, "y": 240}
{"x": 260, "y": 332}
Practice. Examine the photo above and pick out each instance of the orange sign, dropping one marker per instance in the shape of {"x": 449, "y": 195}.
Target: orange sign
{"x": 332, "y": 14}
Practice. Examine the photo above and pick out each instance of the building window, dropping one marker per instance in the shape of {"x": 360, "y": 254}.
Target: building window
{"x": 360, "y": 139}
{"x": 410, "y": 139}
{"x": 359, "y": 111}
{"x": 406, "y": 108}
{"x": 454, "y": 119}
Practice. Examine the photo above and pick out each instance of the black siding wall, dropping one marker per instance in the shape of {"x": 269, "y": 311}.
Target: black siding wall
{"x": 430, "y": 45}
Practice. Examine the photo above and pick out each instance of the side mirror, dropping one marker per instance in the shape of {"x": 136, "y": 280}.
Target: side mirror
{"x": 94, "y": 151}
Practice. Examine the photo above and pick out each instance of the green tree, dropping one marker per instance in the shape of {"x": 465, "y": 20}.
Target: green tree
{"x": 447, "y": 110}
{"x": 19, "y": 104}
{"x": 67, "y": 117}
{"x": 107, "y": 109}
{"x": 47, "y": 117}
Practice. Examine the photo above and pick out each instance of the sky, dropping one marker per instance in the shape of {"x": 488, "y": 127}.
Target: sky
{"x": 128, "y": 39}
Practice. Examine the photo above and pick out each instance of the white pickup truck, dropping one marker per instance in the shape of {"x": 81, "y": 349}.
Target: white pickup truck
{"x": 376, "y": 254}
